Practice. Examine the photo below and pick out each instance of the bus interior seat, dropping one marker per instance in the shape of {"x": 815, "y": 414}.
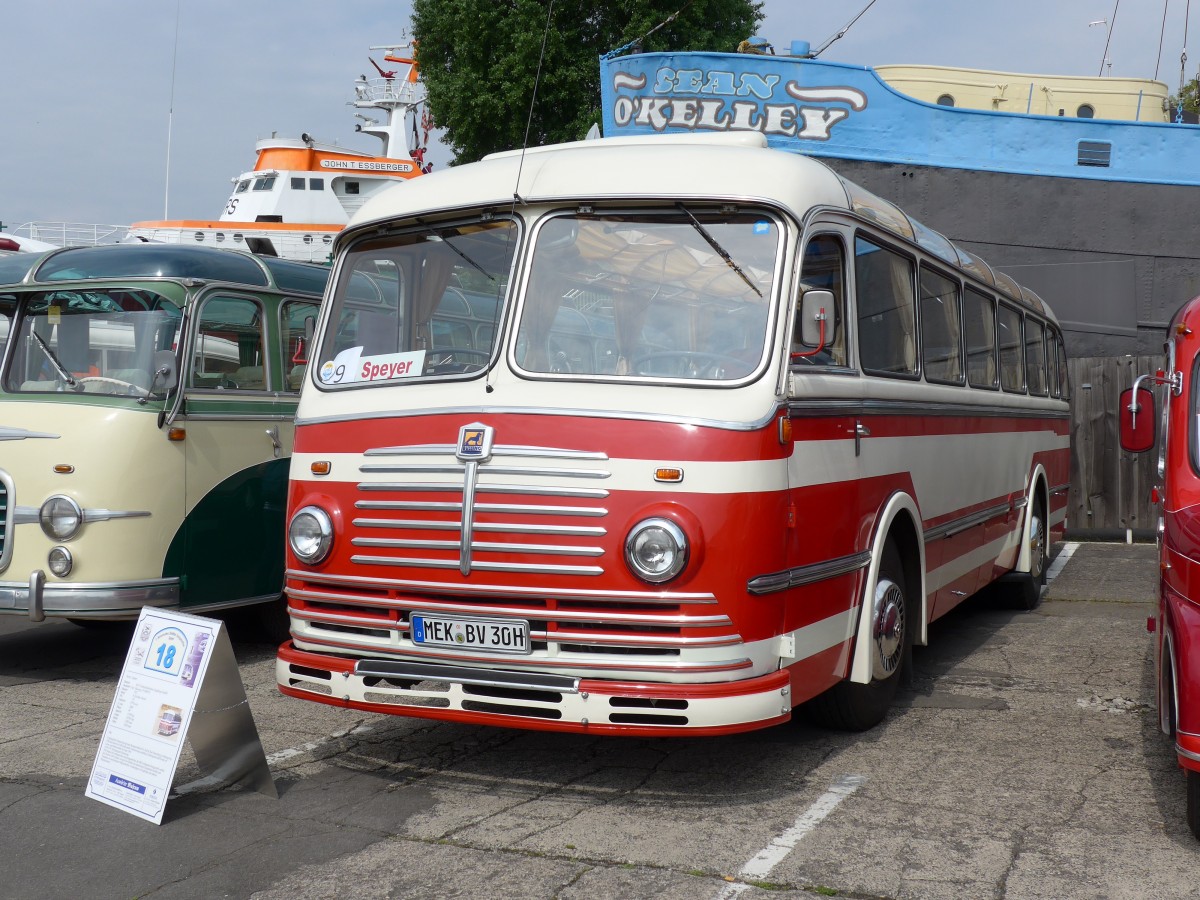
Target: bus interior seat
{"x": 250, "y": 378}
{"x": 296, "y": 376}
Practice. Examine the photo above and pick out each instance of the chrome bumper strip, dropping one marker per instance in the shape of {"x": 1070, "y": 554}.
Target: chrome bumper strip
{"x": 949, "y": 529}
{"x": 538, "y": 681}
{"x": 802, "y": 575}
{"x": 37, "y": 599}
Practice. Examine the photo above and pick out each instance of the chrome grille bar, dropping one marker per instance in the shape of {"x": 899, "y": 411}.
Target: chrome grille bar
{"x": 482, "y": 488}
{"x": 509, "y": 508}
{"x": 515, "y": 592}
{"x": 481, "y": 546}
{"x": 564, "y": 530}
{"x": 481, "y": 566}
{"x": 579, "y": 617}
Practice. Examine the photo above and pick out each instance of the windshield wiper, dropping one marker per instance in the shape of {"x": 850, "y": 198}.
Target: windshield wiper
{"x": 66, "y": 376}
{"x": 721, "y": 251}
{"x": 432, "y": 232}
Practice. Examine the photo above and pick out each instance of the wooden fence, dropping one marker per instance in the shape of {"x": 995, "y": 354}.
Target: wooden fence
{"x": 1110, "y": 489}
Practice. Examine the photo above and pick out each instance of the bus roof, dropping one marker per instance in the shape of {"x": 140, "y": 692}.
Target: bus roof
{"x": 147, "y": 260}
{"x": 684, "y": 167}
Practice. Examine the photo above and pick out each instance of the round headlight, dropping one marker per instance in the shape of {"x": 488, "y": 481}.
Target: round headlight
{"x": 60, "y": 517}
{"x": 60, "y": 562}
{"x": 656, "y": 550}
{"x": 310, "y": 534}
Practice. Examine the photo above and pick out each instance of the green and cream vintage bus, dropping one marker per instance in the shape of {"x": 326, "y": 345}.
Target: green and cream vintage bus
{"x": 147, "y": 394}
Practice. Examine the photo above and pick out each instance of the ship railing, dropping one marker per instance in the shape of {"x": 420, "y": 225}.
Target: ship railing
{"x": 389, "y": 91}
{"x": 72, "y": 234}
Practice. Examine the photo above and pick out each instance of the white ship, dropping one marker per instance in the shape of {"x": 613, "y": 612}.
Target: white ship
{"x": 301, "y": 192}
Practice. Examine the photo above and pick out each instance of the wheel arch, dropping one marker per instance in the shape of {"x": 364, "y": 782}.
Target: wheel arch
{"x": 1168, "y": 680}
{"x": 1038, "y": 490}
{"x": 899, "y": 520}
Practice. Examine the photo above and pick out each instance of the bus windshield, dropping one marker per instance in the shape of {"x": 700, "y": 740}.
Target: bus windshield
{"x": 678, "y": 294}
{"x": 426, "y": 302}
{"x": 95, "y": 341}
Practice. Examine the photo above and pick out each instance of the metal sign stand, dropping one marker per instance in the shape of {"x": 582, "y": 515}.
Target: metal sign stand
{"x": 180, "y": 683}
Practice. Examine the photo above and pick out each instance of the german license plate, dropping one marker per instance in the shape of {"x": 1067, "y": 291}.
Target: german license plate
{"x": 496, "y": 635}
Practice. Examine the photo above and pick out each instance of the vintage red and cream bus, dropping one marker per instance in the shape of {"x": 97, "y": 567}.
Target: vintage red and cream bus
{"x": 661, "y": 435}
{"x": 1177, "y": 623}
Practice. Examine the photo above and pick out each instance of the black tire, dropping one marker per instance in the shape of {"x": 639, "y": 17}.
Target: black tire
{"x": 1024, "y": 589}
{"x": 1193, "y": 802}
{"x": 849, "y": 706}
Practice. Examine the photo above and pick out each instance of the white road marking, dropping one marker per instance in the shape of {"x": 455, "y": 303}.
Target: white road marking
{"x": 760, "y": 866}
{"x": 283, "y": 755}
{"x": 1064, "y": 555}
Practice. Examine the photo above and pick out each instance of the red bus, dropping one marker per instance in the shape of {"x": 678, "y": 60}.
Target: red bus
{"x": 661, "y": 435}
{"x": 1177, "y": 623}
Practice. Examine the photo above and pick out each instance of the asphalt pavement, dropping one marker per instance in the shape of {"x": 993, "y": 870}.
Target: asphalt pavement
{"x": 1023, "y": 761}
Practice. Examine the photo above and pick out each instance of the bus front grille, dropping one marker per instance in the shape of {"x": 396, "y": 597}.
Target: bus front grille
{"x": 525, "y": 510}
{"x": 432, "y": 537}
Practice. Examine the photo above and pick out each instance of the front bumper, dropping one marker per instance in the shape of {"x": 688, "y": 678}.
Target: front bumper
{"x": 485, "y": 696}
{"x": 124, "y": 600}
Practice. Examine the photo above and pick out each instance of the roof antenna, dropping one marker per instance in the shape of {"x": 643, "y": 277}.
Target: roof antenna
{"x": 537, "y": 78}
{"x": 487, "y": 383}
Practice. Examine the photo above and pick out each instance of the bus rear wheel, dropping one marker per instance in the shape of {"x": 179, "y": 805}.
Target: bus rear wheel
{"x": 1024, "y": 589}
{"x": 850, "y": 706}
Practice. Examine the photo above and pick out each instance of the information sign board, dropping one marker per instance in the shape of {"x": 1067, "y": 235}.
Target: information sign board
{"x": 180, "y": 682}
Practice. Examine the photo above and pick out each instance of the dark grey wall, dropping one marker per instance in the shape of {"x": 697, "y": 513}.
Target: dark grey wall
{"x": 1113, "y": 260}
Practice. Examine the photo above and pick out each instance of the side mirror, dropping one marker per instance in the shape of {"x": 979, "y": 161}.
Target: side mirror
{"x": 166, "y": 373}
{"x": 814, "y": 318}
{"x": 1137, "y": 413}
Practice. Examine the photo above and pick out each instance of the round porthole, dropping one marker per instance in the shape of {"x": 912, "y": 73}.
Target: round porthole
{"x": 1086, "y": 111}
{"x": 945, "y": 100}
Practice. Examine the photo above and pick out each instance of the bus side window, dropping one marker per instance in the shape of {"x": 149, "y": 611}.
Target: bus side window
{"x": 824, "y": 268}
{"x": 1064, "y": 383}
{"x": 8, "y": 308}
{"x": 941, "y": 345}
{"x": 1035, "y": 358}
{"x": 229, "y": 346}
{"x": 1012, "y": 349}
{"x": 297, "y": 318}
{"x": 980, "y": 320}
{"x": 887, "y": 320}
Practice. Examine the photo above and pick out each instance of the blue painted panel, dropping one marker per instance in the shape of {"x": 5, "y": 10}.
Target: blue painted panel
{"x": 843, "y": 111}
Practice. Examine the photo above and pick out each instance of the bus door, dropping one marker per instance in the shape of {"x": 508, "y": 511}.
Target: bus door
{"x": 238, "y": 419}
{"x": 826, "y": 469}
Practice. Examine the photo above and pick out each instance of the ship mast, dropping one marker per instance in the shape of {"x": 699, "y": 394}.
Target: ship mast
{"x": 397, "y": 91}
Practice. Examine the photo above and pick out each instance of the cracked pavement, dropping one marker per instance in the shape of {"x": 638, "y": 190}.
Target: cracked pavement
{"x": 1022, "y": 761}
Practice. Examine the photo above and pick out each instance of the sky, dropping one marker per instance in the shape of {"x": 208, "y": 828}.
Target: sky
{"x": 91, "y": 90}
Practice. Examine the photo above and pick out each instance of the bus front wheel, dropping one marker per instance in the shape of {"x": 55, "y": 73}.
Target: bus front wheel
{"x": 850, "y": 706}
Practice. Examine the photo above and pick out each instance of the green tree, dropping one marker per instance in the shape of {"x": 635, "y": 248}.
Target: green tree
{"x": 1190, "y": 95}
{"x": 479, "y": 60}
